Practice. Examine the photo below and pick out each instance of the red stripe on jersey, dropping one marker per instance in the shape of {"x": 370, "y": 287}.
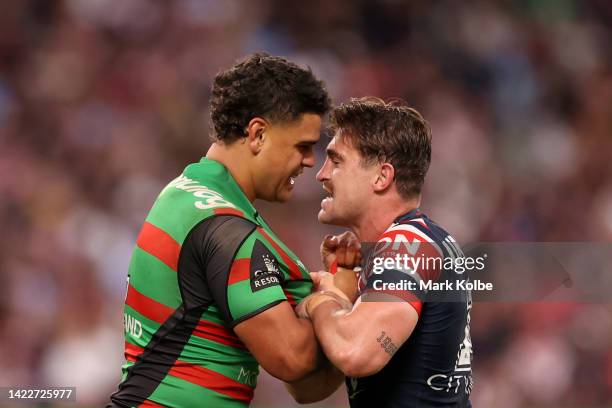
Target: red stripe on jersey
{"x": 152, "y": 404}
{"x": 240, "y": 271}
{"x": 294, "y": 270}
{"x": 422, "y": 222}
{"x": 217, "y": 333}
{"x": 132, "y": 351}
{"x": 212, "y": 380}
{"x": 290, "y": 298}
{"x": 418, "y": 306}
{"x": 229, "y": 211}
{"x": 406, "y": 295}
{"x": 158, "y": 243}
{"x": 146, "y": 306}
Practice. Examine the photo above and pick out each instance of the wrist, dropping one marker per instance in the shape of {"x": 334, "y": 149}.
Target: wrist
{"x": 318, "y": 298}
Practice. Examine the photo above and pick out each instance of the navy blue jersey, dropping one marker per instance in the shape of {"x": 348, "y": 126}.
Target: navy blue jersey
{"x": 433, "y": 366}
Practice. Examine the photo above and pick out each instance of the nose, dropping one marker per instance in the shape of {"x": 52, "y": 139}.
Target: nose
{"x": 323, "y": 173}
{"x": 309, "y": 159}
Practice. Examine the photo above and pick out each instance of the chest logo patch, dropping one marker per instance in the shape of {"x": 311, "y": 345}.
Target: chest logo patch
{"x": 265, "y": 269}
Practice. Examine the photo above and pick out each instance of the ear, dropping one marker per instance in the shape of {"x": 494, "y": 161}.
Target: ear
{"x": 384, "y": 178}
{"x": 255, "y": 134}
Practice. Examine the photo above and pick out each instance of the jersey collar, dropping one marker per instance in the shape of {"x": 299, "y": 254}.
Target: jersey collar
{"x": 408, "y": 216}
{"x": 222, "y": 173}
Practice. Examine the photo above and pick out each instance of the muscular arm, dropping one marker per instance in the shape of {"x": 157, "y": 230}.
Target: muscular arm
{"x": 317, "y": 386}
{"x": 361, "y": 342}
{"x": 284, "y": 345}
{"x": 233, "y": 256}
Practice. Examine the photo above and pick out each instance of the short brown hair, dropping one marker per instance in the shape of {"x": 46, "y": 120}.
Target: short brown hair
{"x": 388, "y": 132}
{"x": 266, "y": 86}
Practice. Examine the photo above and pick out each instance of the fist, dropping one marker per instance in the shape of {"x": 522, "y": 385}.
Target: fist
{"x": 345, "y": 249}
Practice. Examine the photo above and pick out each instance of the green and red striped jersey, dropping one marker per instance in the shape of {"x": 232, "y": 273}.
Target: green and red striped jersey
{"x": 204, "y": 261}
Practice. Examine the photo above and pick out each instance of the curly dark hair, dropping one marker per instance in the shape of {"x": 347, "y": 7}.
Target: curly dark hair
{"x": 388, "y": 132}
{"x": 265, "y": 86}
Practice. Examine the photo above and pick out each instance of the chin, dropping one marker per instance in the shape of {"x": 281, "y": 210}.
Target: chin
{"x": 283, "y": 197}
{"x": 333, "y": 219}
{"x": 325, "y": 218}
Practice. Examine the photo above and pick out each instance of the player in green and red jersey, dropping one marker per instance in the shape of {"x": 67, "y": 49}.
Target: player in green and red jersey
{"x": 211, "y": 288}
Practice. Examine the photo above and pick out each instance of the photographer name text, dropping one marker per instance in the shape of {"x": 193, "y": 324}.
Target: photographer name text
{"x": 460, "y": 284}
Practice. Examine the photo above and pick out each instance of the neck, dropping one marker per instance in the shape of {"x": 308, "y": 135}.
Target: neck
{"x": 374, "y": 222}
{"x": 231, "y": 156}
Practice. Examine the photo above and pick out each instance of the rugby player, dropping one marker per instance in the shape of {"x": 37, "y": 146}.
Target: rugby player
{"x": 211, "y": 288}
{"x": 397, "y": 347}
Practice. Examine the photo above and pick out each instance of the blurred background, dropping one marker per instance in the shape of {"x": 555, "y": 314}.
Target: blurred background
{"x": 103, "y": 102}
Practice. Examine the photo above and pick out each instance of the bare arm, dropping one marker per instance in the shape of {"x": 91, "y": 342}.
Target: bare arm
{"x": 341, "y": 250}
{"x": 361, "y": 342}
{"x": 284, "y": 345}
{"x": 317, "y": 386}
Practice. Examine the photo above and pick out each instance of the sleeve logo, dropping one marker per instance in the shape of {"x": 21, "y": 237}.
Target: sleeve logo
{"x": 265, "y": 271}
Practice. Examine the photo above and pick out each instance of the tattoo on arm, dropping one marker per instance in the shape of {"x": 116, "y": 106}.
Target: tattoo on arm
{"x": 386, "y": 343}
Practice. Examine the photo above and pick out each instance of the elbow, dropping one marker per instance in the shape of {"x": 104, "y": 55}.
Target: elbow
{"x": 303, "y": 395}
{"x": 295, "y": 373}
{"x": 354, "y": 362}
{"x": 293, "y": 367}
{"x": 306, "y": 398}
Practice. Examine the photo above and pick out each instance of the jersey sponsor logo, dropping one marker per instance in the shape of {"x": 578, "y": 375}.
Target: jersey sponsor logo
{"x": 212, "y": 199}
{"x": 451, "y": 383}
{"x": 248, "y": 377}
{"x": 462, "y": 374}
{"x": 132, "y": 326}
{"x": 265, "y": 270}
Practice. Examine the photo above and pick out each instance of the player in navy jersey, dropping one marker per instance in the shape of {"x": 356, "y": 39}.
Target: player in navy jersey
{"x": 406, "y": 340}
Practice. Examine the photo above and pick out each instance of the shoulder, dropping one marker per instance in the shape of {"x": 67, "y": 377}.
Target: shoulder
{"x": 412, "y": 237}
{"x": 224, "y": 228}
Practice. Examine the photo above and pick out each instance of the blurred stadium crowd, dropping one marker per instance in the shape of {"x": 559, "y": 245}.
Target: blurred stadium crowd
{"x": 102, "y": 102}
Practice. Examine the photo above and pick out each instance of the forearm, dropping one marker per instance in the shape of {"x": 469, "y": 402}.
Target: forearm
{"x": 317, "y": 386}
{"x": 304, "y": 348}
{"x": 284, "y": 345}
{"x": 335, "y": 333}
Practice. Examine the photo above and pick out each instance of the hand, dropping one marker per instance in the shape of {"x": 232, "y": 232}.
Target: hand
{"x": 300, "y": 310}
{"x": 343, "y": 283}
{"x": 345, "y": 249}
{"x": 346, "y": 281}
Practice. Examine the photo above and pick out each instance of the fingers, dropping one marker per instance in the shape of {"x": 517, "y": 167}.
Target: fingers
{"x": 348, "y": 251}
{"x": 328, "y": 248}
{"x": 330, "y": 241}
{"x": 345, "y": 249}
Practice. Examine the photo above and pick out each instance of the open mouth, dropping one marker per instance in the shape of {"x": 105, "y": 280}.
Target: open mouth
{"x": 294, "y": 176}
{"x": 329, "y": 197}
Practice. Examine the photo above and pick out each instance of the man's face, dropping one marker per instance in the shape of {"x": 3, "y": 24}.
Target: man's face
{"x": 285, "y": 153}
{"x": 348, "y": 182}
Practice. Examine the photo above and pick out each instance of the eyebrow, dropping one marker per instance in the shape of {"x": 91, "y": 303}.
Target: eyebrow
{"x": 307, "y": 143}
{"x": 332, "y": 154}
